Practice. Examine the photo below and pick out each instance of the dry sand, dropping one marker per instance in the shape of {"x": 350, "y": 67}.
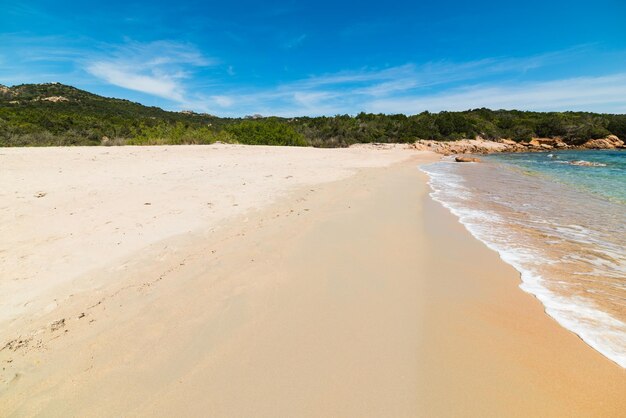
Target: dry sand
{"x": 68, "y": 212}
{"x": 335, "y": 287}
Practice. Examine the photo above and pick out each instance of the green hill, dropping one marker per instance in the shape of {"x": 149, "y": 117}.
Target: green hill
{"x": 57, "y": 114}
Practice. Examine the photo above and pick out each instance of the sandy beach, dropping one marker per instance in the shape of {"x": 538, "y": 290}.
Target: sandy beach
{"x": 235, "y": 281}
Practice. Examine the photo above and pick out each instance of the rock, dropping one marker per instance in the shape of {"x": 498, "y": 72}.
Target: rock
{"x": 5, "y": 91}
{"x": 465, "y": 146}
{"x": 551, "y": 142}
{"x": 462, "y": 159}
{"x": 483, "y": 146}
{"x": 610, "y": 142}
{"x": 506, "y": 141}
{"x": 55, "y": 99}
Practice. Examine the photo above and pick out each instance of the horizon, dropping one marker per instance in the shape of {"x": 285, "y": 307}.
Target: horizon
{"x": 275, "y": 60}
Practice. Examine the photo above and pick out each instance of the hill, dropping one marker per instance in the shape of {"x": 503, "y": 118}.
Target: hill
{"x": 57, "y": 114}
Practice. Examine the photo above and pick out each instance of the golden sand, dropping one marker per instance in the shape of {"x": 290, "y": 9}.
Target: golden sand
{"x": 356, "y": 297}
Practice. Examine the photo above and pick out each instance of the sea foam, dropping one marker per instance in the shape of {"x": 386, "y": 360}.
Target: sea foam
{"x": 578, "y": 292}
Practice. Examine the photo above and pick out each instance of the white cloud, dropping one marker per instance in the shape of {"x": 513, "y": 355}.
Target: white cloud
{"x": 378, "y": 82}
{"x": 178, "y": 71}
{"x": 165, "y": 86}
{"x": 157, "y": 68}
{"x": 601, "y": 94}
{"x": 436, "y": 86}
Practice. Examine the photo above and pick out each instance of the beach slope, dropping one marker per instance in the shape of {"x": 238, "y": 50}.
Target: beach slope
{"x": 348, "y": 292}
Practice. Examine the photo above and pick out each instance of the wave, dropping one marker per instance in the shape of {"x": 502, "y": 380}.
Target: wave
{"x": 500, "y": 229}
{"x": 582, "y": 163}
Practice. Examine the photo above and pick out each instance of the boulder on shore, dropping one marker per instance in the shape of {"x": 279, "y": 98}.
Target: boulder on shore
{"x": 462, "y": 159}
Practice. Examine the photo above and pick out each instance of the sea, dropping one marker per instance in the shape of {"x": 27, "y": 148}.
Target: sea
{"x": 559, "y": 218}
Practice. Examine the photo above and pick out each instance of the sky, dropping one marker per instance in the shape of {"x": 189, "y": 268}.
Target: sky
{"x": 292, "y": 58}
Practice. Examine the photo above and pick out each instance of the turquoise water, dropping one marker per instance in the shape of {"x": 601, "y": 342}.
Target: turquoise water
{"x": 606, "y": 177}
{"x": 560, "y": 219}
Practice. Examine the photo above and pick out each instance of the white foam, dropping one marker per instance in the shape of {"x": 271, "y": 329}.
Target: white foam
{"x": 597, "y": 328}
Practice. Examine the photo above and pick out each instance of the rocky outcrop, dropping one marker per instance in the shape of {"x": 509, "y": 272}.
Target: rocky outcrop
{"x": 468, "y": 146}
{"x": 546, "y": 143}
{"x": 483, "y": 146}
{"x": 55, "y": 99}
{"x": 5, "y": 91}
{"x": 610, "y": 142}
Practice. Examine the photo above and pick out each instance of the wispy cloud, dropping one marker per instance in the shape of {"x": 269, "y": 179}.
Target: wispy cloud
{"x": 186, "y": 78}
{"x": 162, "y": 85}
{"x": 156, "y": 68}
{"x": 411, "y": 88}
{"x": 602, "y": 93}
{"x": 164, "y": 69}
{"x": 408, "y": 76}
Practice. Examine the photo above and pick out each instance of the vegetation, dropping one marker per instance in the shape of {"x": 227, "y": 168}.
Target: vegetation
{"x": 268, "y": 131}
{"x": 55, "y": 114}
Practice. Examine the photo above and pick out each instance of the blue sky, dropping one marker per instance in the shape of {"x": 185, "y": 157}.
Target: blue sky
{"x": 323, "y": 58}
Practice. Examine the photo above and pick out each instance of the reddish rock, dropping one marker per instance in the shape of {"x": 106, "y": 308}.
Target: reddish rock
{"x": 551, "y": 142}
{"x": 610, "y": 142}
{"x": 466, "y": 146}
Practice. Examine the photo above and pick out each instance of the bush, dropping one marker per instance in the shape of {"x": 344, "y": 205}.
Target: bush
{"x": 266, "y": 132}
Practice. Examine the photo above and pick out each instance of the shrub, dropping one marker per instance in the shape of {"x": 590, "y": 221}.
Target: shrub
{"x": 266, "y": 132}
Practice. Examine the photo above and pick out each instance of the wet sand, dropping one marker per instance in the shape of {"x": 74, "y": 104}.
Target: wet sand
{"x": 355, "y": 297}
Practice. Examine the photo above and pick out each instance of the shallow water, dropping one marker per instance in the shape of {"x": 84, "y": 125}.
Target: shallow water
{"x": 561, "y": 224}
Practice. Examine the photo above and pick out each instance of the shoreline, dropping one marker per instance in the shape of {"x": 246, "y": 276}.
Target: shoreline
{"x": 361, "y": 296}
{"x": 511, "y": 229}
